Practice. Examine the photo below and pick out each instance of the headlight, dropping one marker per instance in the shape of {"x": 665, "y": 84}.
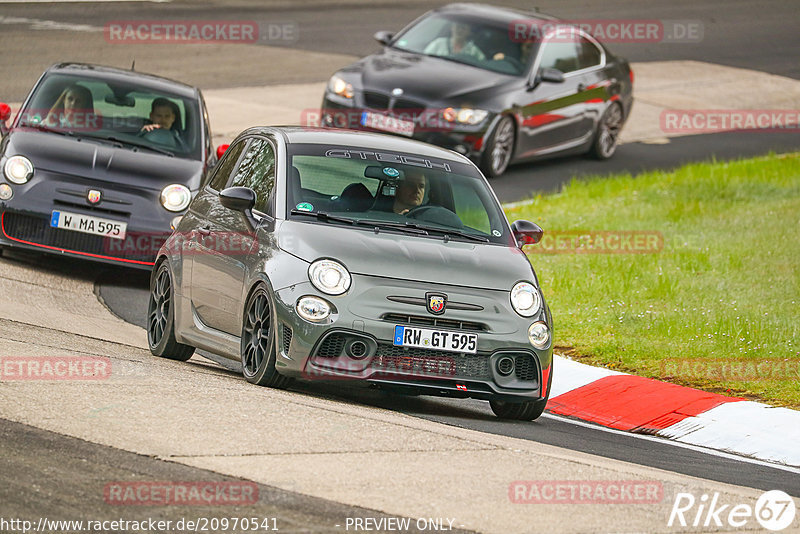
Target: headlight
{"x": 525, "y": 299}
{"x": 464, "y": 115}
{"x": 539, "y": 335}
{"x": 313, "y": 309}
{"x": 5, "y": 192}
{"x": 18, "y": 169}
{"x": 175, "y": 197}
{"x": 329, "y": 277}
{"x": 340, "y": 87}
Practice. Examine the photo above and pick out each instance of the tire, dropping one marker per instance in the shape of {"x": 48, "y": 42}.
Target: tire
{"x": 522, "y": 411}
{"x": 161, "y": 318}
{"x": 499, "y": 149}
{"x": 606, "y": 137}
{"x": 258, "y": 350}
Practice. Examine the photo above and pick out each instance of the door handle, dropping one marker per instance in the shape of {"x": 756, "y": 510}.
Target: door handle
{"x": 204, "y": 231}
{"x": 581, "y": 87}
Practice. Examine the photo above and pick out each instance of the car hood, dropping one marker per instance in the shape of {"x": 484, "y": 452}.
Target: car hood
{"x": 401, "y": 256}
{"x": 103, "y": 162}
{"x": 426, "y": 78}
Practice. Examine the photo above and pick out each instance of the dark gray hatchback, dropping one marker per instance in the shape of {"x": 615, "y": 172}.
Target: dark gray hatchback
{"x": 320, "y": 254}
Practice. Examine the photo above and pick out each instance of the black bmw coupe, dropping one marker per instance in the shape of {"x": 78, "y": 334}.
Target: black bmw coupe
{"x": 100, "y": 162}
{"x": 497, "y": 85}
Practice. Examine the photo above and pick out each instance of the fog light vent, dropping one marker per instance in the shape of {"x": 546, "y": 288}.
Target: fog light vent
{"x": 357, "y": 349}
{"x": 505, "y": 365}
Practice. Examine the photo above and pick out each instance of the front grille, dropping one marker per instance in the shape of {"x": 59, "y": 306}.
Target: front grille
{"x": 525, "y": 367}
{"x": 332, "y": 346}
{"x": 38, "y": 230}
{"x": 436, "y": 322}
{"x": 376, "y": 100}
{"x": 91, "y": 207}
{"x": 287, "y": 338}
{"x": 430, "y": 363}
{"x": 402, "y": 103}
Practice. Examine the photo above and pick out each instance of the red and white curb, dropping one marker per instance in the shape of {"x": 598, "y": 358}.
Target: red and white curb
{"x": 646, "y": 406}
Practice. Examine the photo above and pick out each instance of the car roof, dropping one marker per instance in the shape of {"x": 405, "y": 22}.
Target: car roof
{"x": 359, "y": 139}
{"x": 495, "y": 13}
{"x": 101, "y": 72}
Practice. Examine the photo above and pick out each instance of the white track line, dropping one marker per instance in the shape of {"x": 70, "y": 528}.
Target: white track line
{"x": 695, "y": 448}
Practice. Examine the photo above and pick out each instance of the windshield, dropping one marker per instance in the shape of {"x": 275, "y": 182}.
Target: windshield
{"x": 393, "y": 191}
{"x": 475, "y": 42}
{"x": 122, "y": 112}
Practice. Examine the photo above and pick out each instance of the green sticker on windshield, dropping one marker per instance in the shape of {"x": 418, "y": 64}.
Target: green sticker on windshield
{"x": 304, "y": 206}
{"x": 391, "y": 172}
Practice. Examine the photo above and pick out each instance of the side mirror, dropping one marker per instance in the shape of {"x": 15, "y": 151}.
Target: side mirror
{"x": 221, "y": 150}
{"x": 5, "y": 114}
{"x": 240, "y": 199}
{"x": 384, "y": 37}
{"x": 526, "y": 233}
{"x": 551, "y": 75}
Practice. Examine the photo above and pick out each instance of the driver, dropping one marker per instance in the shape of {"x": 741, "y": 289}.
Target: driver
{"x": 457, "y": 43}
{"x": 164, "y": 116}
{"x": 410, "y": 192}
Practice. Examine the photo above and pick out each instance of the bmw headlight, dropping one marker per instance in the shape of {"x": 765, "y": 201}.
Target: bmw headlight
{"x": 329, "y": 276}
{"x": 539, "y": 335}
{"x": 175, "y": 197}
{"x": 18, "y": 169}
{"x": 464, "y": 115}
{"x": 525, "y": 299}
{"x": 340, "y": 87}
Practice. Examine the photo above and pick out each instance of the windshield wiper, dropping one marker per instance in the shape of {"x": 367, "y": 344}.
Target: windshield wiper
{"x": 44, "y": 128}
{"x": 121, "y": 142}
{"x": 408, "y": 227}
{"x": 324, "y": 216}
{"x": 451, "y": 232}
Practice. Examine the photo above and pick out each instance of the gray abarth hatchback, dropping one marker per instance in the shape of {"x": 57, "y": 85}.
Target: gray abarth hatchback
{"x": 340, "y": 255}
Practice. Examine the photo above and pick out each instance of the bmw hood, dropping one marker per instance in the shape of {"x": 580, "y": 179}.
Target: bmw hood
{"x": 426, "y": 78}
{"x": 401, "y": 256}
{"x": 101, "y": 161}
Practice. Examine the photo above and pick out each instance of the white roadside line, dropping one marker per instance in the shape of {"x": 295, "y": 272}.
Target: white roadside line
{"x": 696, "y": 448}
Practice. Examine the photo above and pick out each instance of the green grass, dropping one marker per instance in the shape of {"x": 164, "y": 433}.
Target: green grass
{"x": 724, "y": 289}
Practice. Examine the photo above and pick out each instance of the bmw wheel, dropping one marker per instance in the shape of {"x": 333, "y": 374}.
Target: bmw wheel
{"x": 607, "y": 135}
{"x": 499, "y": 148}
{"x": 161, "y": 318}
{"x": 258, "y": 349}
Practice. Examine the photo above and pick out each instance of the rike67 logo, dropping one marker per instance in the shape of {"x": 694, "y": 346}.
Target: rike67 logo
{"x": 774, "y": 510}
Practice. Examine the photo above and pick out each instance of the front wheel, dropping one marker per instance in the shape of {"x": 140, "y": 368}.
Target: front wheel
{"x": 258, "y": 350}
{"x": 161, "y": 318}
{"x": 606, "y": 137}
{"x": 519, "y": 411}
{"x": 499, "y": 148}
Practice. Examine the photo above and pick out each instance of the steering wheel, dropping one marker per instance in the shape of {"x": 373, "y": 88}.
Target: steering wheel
{"x": 437, "y": 215}
{"x": 160, "y": 136}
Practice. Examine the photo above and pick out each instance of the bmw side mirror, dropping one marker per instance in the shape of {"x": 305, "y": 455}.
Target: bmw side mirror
{"x": 240, "y": 199}
{"x": 551, "y": 75}
{"x": 384, "y": 37}
{"x": 526, "y": 233}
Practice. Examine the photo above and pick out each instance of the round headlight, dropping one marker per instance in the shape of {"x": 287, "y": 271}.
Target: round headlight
{"x": 313, "y": 309}
{"x": 329, "y": 277}
{"x": 539, "y": 335}
{"x": 5, "y": 192}
{"x": 175, "y": 197}
{"x": 18, "y": 169}
{"x": 340, "y": 87}
{"x": 525, "y": 299}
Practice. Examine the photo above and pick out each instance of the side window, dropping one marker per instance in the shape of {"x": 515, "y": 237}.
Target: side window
{"x": 257, "y": 171}
{"x": 589, "y": 54}
{"x": 470, "y": 208}
{"x": 226, "y": 165}
{"x": 560, "y": 55}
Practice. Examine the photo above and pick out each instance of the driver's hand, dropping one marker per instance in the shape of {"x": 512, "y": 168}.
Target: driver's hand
{"x": 150, "y": 127}
{"x": 404, "y": 212}
{"x": 498, "y": 56}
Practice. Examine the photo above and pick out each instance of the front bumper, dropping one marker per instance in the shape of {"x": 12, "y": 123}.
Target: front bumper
{"x": 428, "y": 127}
{"x": 25, "y": 221}
{"x": 356, "y": 343}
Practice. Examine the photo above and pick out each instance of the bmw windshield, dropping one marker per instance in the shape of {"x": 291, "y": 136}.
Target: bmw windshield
{"x": 393, "y": 191}
{"x": 124, "y": 114}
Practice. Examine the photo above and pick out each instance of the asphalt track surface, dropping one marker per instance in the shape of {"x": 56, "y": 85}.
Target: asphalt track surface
{"x": 741, "y": 34}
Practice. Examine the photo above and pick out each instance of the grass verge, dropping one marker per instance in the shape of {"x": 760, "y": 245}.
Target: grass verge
{"x": 707, "y": 295}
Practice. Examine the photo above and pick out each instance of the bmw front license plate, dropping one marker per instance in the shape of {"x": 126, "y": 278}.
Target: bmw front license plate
{"x": 408, "y": 336}
{"x": 387, "y": 123}
{"x": 88, "y": 224}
